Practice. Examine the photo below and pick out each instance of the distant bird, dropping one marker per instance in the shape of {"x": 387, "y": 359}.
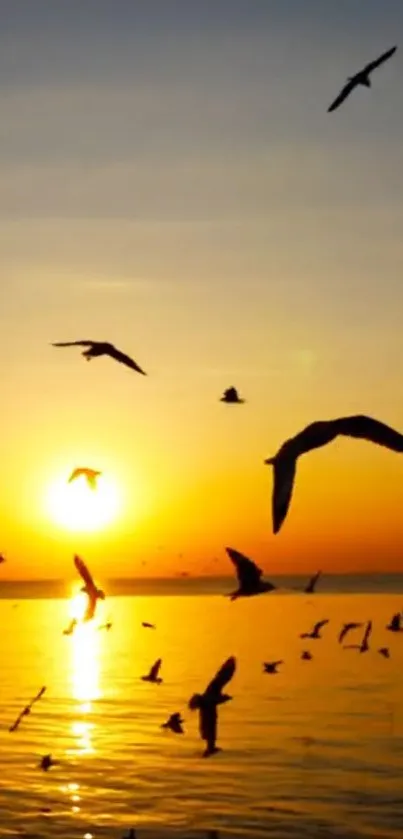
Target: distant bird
{"x": 153, "y": 674}
{"x": 249, "y": 576}
{"x": 396, "y": 623}
{"x": 107, "y": 626}
{"x": 97, "y": 348}
{"x": 364, "y": 646}
{"x": 231, "y": 397}
{"x": 174, "y": 723}
{"x": 207, "y": 702}
{"x": 315, "y": 632}
{"x": 347, "y": 627}
{"x": 2, "y": 558}
{"x": 311, "y": 586}
{"x": 91, "y": 476}
{"x": 147, "y": 625}
{"x": 94, "y": 593}
{"x": 313, "y": 437}
{"x": 47, "y": 762}
{"x": 71, "y": 627}
{"x": 306, "y": 655}
{"x": 27, "y": 710}
{"x": 271, "y": 666}
{"x": 360, "y": 78}
{"x": 384, "y": 651}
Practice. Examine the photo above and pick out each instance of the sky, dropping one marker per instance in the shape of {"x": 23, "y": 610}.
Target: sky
{"x": 171, "y": 181}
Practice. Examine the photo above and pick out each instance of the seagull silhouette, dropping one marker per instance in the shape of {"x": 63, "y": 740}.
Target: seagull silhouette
{"x": 360, "y": 78}
{"x": 306, "y": 655}
{"x": 364, "y": 646}
{"x": 206, "y": 703}
{"x": 147, "y": 625}
{"x": 174, "y": 723}
{"x": 47, "y": 762}
{"x": 107, "y": 626}
{"x": 384, "y": 651}
{"x": 71, "y": 627}
{"x": 313, "y": 437}
{"x": 231, "y": 397}
{"x": 249, "y": 576}
{"x": 271, "y": 666}
{"x": 152, "y": 676}
{"x": 347, "y": 627}
{"x": 315, "y": 632}
{"x": 91, "y": 476}
{"x": 27, "y": 710}
{"x": 396, "y": 623}
{"x": 311, "y": 586}
{"x": 98, "y": 348}
{"x": 94, "y": 593}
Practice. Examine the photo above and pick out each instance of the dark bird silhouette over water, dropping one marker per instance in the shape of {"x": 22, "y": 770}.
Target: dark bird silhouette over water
{"x": 360, "y": 78}
{"x": 174, "y": 723}
{"x": 364, "y": 646}
{"x": 271, "y": 666}
{"x": 153, "y": 674}
{"x": 396, "y": 623}
{"x": 94, "y": 593}
{"x": 206, "y": 703}
{"x": 71, "y": 627}
{"x": 27, "y": 710}
{"x": 98, "y": 348}
{"x": 91, "y": 476}
{"x": 384, "y": 651}
{"x": 311, "y": 586}
{"x": 231, "y": 397}
{"x": 47, "y": 762}
{"x": 306, "y": 655}
{"x": 147, "y": 625}
{"x": 313, "y": 437}
{"x": 315, "y": 632}
{"x": 249, "y": 576}
{"x": 347, "y": 627}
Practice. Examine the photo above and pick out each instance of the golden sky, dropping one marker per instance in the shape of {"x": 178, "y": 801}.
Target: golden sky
{"x": 171, "y": 182}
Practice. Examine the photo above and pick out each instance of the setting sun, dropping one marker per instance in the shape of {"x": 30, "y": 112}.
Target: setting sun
{"x": 78, "y": 507}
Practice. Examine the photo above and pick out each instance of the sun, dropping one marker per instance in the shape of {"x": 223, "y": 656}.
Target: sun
{"x": 79, "y": 508}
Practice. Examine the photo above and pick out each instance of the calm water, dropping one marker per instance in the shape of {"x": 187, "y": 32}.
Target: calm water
{"x": 316, "y": 751}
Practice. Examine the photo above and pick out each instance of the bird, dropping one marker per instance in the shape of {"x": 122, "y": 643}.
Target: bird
{"x": 249, "y": 576}
{"x": 94, "y": 593}
{"x": 364, "y": 646}
{"x": 152, "y": 676}
{"x": 396, "y": 623}
{"x": 271, "y": 666}
{"x": 315, "y": 632}
{"x": 91, "y": 476}
{"x": 313, "y": 437}
{"x": 2, "y": 558}
{"x": 107, "y": 626}
{"x": 231, "y": 397}
{"x": 147, "y": 625}
{"x": 207, "y": 702}
{"x": 174, "y": 723}
{"x": 360, "y": 78}
{"x": 347, "y": 627}
{"x": 306, "y": 655}
{"x": 71, "y": 627}
{"x": 384, "y": 651}
{"x": 98, "y": 348}
{"x": 27, "y": 709}
{"x": 311, "y": 586}
{"x": 46, "y": 762}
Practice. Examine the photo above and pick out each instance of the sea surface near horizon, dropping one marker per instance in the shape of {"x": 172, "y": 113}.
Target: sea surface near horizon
{"x": 315, "y": 751}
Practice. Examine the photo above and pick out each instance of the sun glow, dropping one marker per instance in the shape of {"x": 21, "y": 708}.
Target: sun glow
{"x": 77, "y": 507}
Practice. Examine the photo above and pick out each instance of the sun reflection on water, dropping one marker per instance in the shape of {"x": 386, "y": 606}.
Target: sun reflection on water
{"x": 85, "y": 675}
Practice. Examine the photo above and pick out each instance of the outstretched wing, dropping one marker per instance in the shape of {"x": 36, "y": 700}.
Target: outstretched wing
{"x": 319, "y": 624}
{"x": 347, "y": 628}
{"x": 124, "y": 359}
{"x": 310, "y": 588}
{"x": 345, "y": 91}
{"x": 74, "y": 344}
{"x": 367, "y": 633}
{"x": 155, "y": 669}
{"x": 84, "y": 572}
{"x": 246, "y": 570}
{"x": 221, "y": 678}
{"x": 370, "y": 429}
{"x": 284, "y": 474}
{"x": 384, "y": 57}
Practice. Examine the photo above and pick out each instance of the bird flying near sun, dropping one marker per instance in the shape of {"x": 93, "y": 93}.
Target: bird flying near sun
{"x": 90, "y": 474}
{"x": 94, "y": 593}
{"x": 98, "y": 348}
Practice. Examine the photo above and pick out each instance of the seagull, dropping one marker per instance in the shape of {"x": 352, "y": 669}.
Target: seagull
{"x": 94, "y": 593}
{"x": 361, "y": 78}
{"x": 107, "y": 626}
{"x": 27, "y": 710}
{"x": 147, "y": 625}
{"x": 396, "y": 623}
{"x": 313, "y": 437}
{"x": 364, "y": 646}
{"x": 384, "y": 651}
{"x": 71, "y": 627}
{"x": 310, "y": 588}
{"x": 46, "y": 762}
{"x": 271, "y": 666}
{"x": 206, "y": 703}
{"x": 248, "y": 575}
{"x": 347, "y": 627}
{"x": 97, "y": 348}
{"x": 315, "y": 632}
{"x": 231, "y": 397}
{"x": 306, "y": 655}
{"x": 153, "y": 674}
{"x": 174, "y": 723}
{"x": 91, "y": 476}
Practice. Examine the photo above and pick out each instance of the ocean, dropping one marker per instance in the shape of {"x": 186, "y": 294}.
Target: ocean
{"x": 314, "y": 751}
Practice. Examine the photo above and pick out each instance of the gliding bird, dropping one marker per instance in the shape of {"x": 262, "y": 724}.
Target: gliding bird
{"x": 94, "y": 593}
{"x": 207, "y": 702}
{"x": 91, "y": 476}
{"x": 152, "y": 676}
{"x": 249, "y": 576}
{"x": 27, "y": 710}
{"x": 97, "y": 348}
{"x": 315, "y": 632}
{"x": 360, "y": 78}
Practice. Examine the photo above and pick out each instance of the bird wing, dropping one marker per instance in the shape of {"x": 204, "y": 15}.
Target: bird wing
{"x": 221, "y": 678}
{"x": 208, "y": 724}
{"x": 124, "y": 359}
{"x": 384, "y": 57}
{"x": 284, "y": 475}
{"x": 74, "y": 344}
{"x": 347, "y": 628}
{"x": 84, "y": 573}
{"x": 319, "y": 624}
{"x": 367, "y": 632}
{"x": 370, "y": 429}
{"x": 155, "y": 668}
{"x": 246, "y": 570}
{"x": 312, "y": 583}
{"x": 345, "y": 91}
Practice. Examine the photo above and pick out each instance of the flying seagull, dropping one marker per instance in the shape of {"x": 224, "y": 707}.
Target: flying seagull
{"x": 396, "y": 623}
{"x": 364, "y": 646}
{"x": 94, "y": 593}
{"x": 315, "y": 632}
{"x": 311, "y": 586}
{"x": 27, "y": 710}
{"x": 231, "y": 397}
{"x": 174, "y": 723}
{"x": 46, "y": 762}
{"x": 97, "y": 348}
{"x": 347, "y": 627}
{"x": 384, "y": 651}
{"x": 91, "y": 476}
{"x": 71, "y": 627}
{"x": 271, "y": 666}
{"x": 206, "y": 703}
{"x": 147, "y": 625}
{"x": 360, "y": 78}
{"x": 152, "y": 676}
{"x": 249, "y": 576}
{"x": 313, "y": 437}
{"x": 107, "y": 626}
{"x": 306, "y": 655}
